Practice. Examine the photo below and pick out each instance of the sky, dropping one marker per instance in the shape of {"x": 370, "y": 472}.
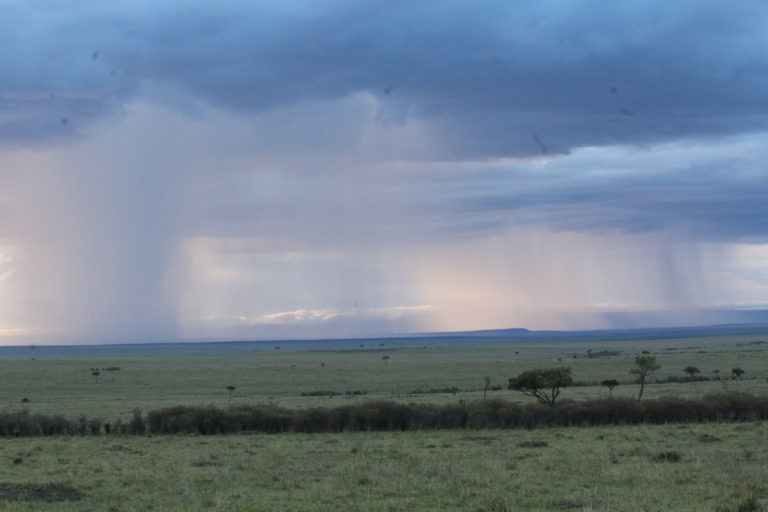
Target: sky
{"x": 252, "y": 170}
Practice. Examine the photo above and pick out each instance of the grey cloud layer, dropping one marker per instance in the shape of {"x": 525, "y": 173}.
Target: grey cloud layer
{"x": 707, "y": 190}
{"x": 490, "y": 76}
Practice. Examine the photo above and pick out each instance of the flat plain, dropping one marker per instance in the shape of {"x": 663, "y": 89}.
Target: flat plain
{"x": 716, "y": 466}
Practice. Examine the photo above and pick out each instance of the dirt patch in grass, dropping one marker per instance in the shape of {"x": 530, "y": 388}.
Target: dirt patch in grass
{"x": 38, "y": 492}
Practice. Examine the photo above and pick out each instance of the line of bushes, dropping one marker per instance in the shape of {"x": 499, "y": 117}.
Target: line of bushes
{"x": 26, "y": 424}
{"x": 497, "y": 413}
{"x": 322, "y": 392}
{"x": 385, "y": 415}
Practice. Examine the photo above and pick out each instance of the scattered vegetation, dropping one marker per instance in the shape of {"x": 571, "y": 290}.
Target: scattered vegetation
{"x": 591, "y": 354}
{"x": 320, "y": 392}
{"x": 451, "y": 390}
{"x": 329, "y": 393}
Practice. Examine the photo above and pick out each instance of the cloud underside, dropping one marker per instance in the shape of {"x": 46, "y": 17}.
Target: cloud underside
{"x": 500, "y": 80}
{"x": 250, "y": 168}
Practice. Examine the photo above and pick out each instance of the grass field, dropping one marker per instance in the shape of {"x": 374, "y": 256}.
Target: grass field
{"x": 605, "y": 469}
{"x": 65, "y": 385}
{"x": 719, "y": 467}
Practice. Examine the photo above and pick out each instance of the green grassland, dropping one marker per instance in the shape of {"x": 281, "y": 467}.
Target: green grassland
{"x": 65, "y": 385}
{"x": 718, "y": 467}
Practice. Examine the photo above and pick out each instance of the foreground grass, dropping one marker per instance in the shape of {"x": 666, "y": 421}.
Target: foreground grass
{"x": 632, "y": 468}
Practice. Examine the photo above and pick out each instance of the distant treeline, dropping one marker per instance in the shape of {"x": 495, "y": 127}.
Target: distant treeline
{"x": 323, "y": 392}
{"x": 379, "y": 415}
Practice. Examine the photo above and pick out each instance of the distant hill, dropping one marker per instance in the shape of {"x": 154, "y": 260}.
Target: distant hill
{"x": 646, "y": 333}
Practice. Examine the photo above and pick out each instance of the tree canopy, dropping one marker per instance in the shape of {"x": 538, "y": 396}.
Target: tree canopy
{"x": 643, "y": 366}
{"x": 610, "y": 384}
{"x": 542, "y": 383}
{"x": 691, "y": 370}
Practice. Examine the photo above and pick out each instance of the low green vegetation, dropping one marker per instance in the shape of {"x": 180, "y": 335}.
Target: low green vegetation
{"x": 381, "y": 415}
{"x": 681, "y": 458}
{"x": 701, "y": 467}
{"x": 423, "y": 374}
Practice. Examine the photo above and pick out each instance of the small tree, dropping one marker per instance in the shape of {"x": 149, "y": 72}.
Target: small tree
{"x": 644, "y": 365}
{"x": 610, "y": 384}
{"x": 487, "y": 382}
{"x": 385, "y": 359}
{"x": 717, "y": 374}
{"x": 737, "y": 373}
{"x": 542, "y": 383}
{"x": 691, "y": 371}
{"x": 231, "y": 390}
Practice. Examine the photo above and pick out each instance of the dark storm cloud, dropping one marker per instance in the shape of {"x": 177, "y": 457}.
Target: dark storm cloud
{"x": 492, "y": 77}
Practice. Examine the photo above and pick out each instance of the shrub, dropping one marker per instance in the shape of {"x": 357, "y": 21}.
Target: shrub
{"x": 670, "y": 456}
{"x": 136, "y": 425}
{"x": 320, "y": 392}
{"x": 749, "y": 504}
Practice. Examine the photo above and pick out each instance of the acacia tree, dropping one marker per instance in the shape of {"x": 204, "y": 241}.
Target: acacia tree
{"x": 644, "y": 365}
{"x": 610, "y": 384}
{"x": 691, "y": 370}
{"x": 542, "y": 383}
{"x": 231, "y": 390}
{"x": 737, "y": 373}
{"x": 487, "y": 382}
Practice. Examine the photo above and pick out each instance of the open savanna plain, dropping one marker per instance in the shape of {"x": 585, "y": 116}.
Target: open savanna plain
{"x": 712, "y": 466}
